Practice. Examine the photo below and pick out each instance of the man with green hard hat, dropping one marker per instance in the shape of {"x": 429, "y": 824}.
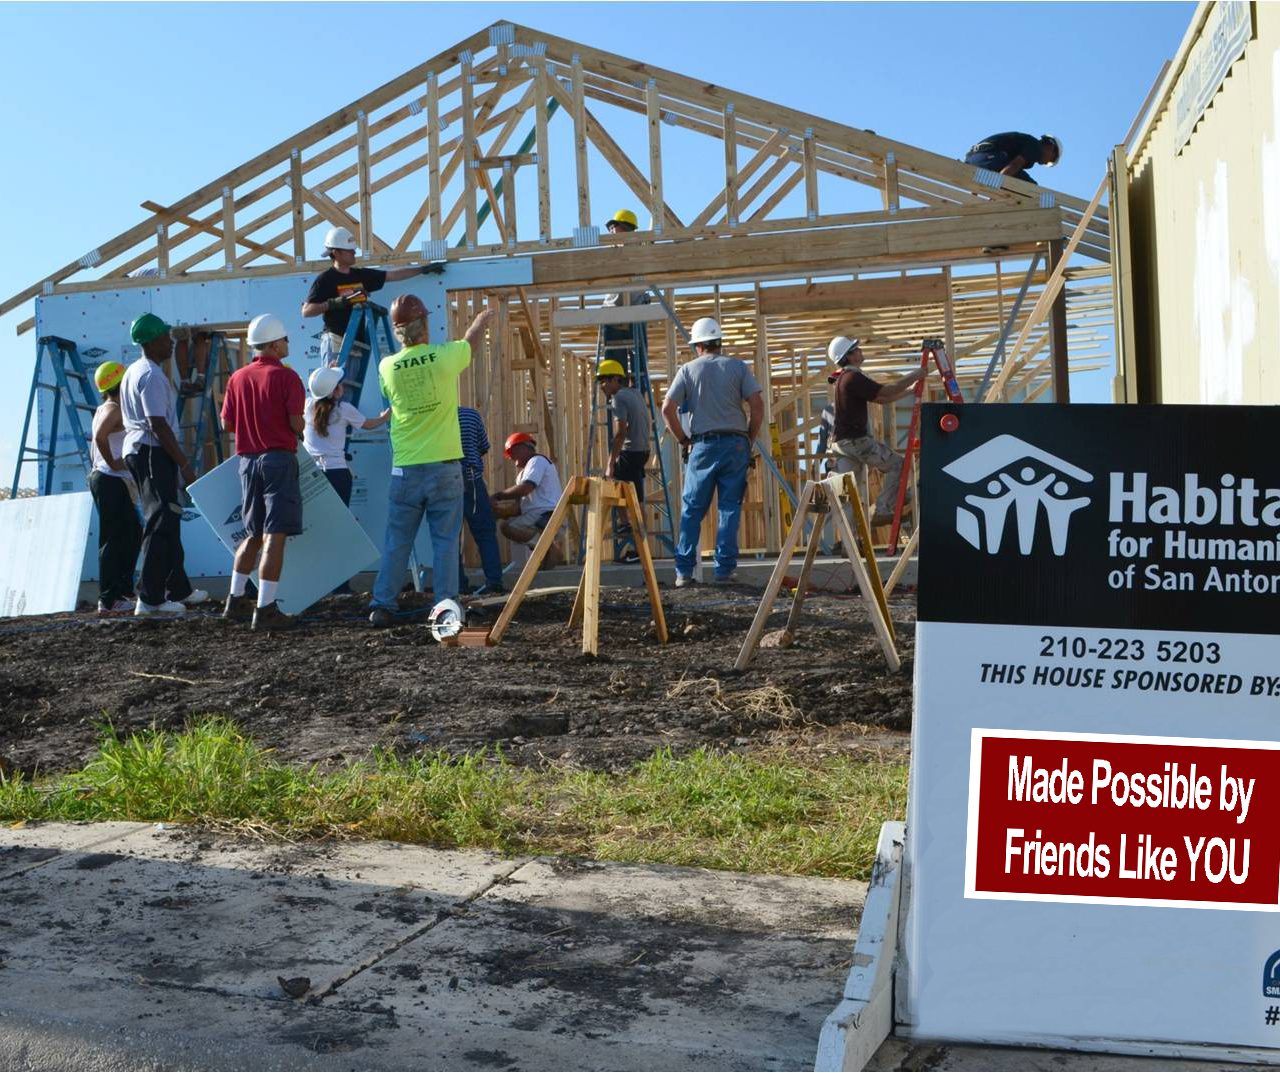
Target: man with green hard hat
{"x": 148, "y": 405}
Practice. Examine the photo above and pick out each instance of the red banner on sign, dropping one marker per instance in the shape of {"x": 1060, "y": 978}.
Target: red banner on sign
{"x": 1149, "y": 820}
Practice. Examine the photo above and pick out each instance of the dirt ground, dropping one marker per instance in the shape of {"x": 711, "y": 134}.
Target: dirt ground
{"x": 333, "y": 687}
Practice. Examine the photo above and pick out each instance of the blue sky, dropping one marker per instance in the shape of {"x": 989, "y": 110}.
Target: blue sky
{"x": 114, "y": 104}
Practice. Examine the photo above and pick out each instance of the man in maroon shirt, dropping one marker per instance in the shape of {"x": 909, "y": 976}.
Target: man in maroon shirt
{"x": 853, "y": 390}
{"x": 263, "y": 410}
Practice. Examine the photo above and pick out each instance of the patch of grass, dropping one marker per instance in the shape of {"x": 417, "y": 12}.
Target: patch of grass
{"x": 778, "y": 812}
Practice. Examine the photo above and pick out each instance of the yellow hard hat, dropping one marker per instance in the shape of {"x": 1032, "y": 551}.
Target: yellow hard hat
{"x": 108, "y": 375}
{"x": 625, "y": 216}
{"x": 610, "y": 368}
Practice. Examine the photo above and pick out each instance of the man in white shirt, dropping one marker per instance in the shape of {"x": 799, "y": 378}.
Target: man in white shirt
{"x": 148, "y": 404}
{"x": 537, "y": 489}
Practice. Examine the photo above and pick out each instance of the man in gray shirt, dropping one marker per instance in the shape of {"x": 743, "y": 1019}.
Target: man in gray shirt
{"x": 629, "y": 448}
{"x": 712, "y": 389}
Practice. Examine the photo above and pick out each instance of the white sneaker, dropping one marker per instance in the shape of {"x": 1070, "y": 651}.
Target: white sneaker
{"x": 198, "y": 596}
{"x": 683, "y": 582}
{"x": 169, "y": 607}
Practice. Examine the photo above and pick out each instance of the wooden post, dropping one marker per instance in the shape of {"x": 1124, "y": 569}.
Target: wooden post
{"x": 297, "y": 208}
{"x": 433, "y": 155}
{"x": 810, "y": 176}
{"x": 730, "y": 166}
{"x": 467, "y": 151}
{"x": 544, "y": 151}
{"x": 162, "y": 249}
{"x": 366, "y": 192}
{"x": 228, "y": 229}
{"x": 1058, "y": 330}
{"x": 654, "y": 114}
{"x": 580, "y": 145}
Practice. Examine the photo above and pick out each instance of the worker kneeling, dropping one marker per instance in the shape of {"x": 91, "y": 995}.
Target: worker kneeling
{"x": 421, "y": 383}
{"x": 534, "y": 495}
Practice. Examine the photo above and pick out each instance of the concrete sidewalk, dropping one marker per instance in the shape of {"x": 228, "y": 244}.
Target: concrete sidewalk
{"x": 128, "y": 946}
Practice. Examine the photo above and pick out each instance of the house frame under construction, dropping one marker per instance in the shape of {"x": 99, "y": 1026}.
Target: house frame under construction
{"x": 517, "y": 144}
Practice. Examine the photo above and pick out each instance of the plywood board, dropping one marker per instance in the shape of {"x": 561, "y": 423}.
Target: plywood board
{"x": 44, "y": 544}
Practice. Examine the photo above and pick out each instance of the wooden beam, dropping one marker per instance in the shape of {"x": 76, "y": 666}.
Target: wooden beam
{"x": 228, "y": 229}
{"x": 162, "y": 249}
{"x": 195, "y": 224}
{"x": 577, "y": 318}
{"x": 808, "y": 249}
{"x": 858, "y": 294}
{"x": 1058, "y": 331}
{"x": 810, "y": 177}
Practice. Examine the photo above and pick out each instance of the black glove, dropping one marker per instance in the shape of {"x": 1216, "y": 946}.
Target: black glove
{"x": 435, "y": 268}
{"x": 336, "y": 305}
{"x": 751, "y": 462}
{"x": 684, "y": 452}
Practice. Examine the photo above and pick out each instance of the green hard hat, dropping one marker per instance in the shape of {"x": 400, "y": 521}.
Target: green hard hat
{"x": 147, "y": 327}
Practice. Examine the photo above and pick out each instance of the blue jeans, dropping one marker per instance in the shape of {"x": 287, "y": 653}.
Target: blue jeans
{"x": 716, "y": 465}
{"x": 479, "y": 515}
{"x": 433, "y": 489}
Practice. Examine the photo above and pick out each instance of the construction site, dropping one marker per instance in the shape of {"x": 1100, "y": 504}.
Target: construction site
{"x": 809, "y": 246}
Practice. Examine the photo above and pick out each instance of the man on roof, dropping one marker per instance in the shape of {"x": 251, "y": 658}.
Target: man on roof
{"x": 618, "y": 338}
{"x": 343, "y": 286}
{"x": 1013, "y": 153}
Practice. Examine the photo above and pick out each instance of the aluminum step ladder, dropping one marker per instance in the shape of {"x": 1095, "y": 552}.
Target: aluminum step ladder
{"x": 354, "y": 356}
{"x": 632, "y": 350}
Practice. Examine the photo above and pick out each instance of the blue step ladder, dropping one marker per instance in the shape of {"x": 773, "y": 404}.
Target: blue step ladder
{"x": 354, "y": 357}
{"x": 73, "y": 394}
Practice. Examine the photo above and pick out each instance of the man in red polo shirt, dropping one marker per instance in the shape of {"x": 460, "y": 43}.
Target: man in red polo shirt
{"x": 263, "y": 410}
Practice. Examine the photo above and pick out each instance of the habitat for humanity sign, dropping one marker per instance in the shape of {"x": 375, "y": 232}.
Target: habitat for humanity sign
{"x": 1099, "y": 598}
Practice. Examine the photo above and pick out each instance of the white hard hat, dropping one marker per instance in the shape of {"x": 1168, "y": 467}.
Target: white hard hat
{"x": 1057, "y": 144}
{"x": 339, "y": 238}
{"x": 266, "y": 328}
{"x": 840, "y": 348}
{"x": 325, "y": 380}
{"x": 446, "y": 620}
{"x": 705, "y": 330}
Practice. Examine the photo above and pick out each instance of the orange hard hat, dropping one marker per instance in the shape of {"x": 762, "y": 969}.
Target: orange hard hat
{"x": 406, "y": 309}
{"x": 515, "y": 438}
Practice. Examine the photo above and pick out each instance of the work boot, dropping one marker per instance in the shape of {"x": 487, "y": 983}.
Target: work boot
{"x": 381, "y": 618}
{"x": 684, "y": 582}
{"x": 271, "y": 618}
{"x": 239, "y": 608}
{"x": 725, "y": 579}
{"x": 552, "y": 559}
{"x": 487, "y": 589}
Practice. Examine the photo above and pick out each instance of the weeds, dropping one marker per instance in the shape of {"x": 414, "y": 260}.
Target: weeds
{"x": 773, "y": 812}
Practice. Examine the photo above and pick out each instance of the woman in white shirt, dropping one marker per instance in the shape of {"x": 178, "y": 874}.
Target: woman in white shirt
{"x": 327, "y": 420}
{"x": 119, "y": 532}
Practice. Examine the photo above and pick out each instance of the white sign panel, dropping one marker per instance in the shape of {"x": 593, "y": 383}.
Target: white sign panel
{"x": 331, "y": 547}
{"x": 1092, "y": 853}
{"x": 43, "y": 538}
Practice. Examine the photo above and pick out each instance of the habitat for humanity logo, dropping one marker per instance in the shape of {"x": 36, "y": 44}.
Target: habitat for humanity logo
{"x": 1020, "y": 476}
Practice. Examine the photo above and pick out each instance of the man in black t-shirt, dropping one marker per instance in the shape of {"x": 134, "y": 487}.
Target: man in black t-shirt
{"x": 1012, "y": 153}
{"x": 849, "y": 438}
{"x": 341, "y": 287}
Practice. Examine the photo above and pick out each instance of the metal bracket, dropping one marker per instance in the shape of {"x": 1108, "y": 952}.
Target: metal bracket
{"x": 1048, "y": 200}
{"x": 90, "y": 259}
{"x": 415, "y": 106}
{"x": 435, "y": 249}
{"x": 586, "y": 236}
{"x": 537, "y": 50}
{"x": 504, "y": 33}
{"x": 987, "y": 177}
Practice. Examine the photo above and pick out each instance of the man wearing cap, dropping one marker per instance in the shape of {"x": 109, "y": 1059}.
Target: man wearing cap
{"x": 263, "y": 409}
{"x": 1012, "y": 153}
{"x": 119, "y": 534}
{"x": 629, "y": 448}
{"x": 148, "y": 407}
{"x": 342, "y": 286}
{"x": 537, "y": 491}
{"x": 712, "y": 389}
{"x": 421, "y": 383}
{"x": 849, "y": 438}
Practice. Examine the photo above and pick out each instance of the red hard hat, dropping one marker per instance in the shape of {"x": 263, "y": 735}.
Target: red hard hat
{"x": 513, "y": 439}
{"x": 406, "y": 309}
